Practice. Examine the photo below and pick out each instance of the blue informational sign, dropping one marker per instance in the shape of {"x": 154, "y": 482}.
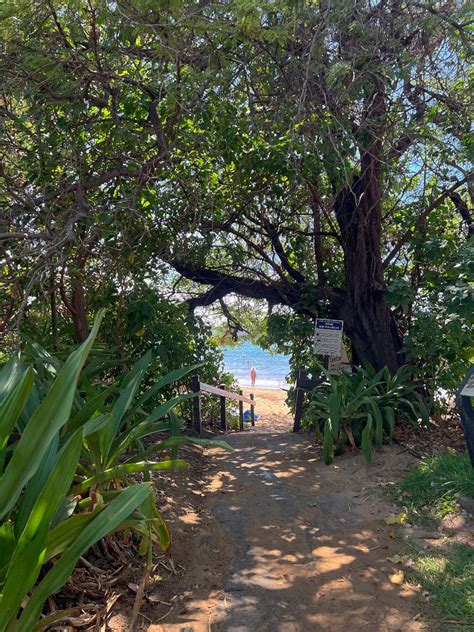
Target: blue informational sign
{"x": 322, "y": 323}
{"x": 328, "y": 337}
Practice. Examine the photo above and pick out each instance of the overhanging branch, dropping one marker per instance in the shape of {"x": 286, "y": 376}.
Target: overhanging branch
{"x": 422, "y": 217}
{"x": 276, "y": 293}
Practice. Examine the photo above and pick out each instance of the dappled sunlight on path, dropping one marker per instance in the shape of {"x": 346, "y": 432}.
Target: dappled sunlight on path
{"x": 289, "y": 545}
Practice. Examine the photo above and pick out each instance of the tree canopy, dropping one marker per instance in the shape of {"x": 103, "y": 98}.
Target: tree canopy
{"x": 315, "y": 155}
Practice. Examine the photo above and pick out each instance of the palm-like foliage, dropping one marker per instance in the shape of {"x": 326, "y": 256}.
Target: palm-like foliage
{"x": 361, "y": 407}
{"x": 66, "y": 462}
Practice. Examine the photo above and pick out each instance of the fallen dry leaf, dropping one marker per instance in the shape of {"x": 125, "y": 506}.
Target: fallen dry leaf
{"x": 400, "y": 518}
{"x": 396, "y": 559}
{"x": 397, "y": 578}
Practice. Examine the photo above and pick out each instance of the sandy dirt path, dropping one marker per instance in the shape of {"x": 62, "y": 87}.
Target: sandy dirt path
{"x": 283, "y": 543}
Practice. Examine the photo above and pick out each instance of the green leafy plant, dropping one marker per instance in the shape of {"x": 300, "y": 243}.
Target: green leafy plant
{"x": 66, "y": 461}
{"x": 361, "y": 407}
{"x": 36, "y": 475}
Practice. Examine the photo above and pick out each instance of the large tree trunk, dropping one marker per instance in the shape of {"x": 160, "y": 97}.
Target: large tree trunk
{"x": 367, "y": 318}
{"x": 365, "y": 312}
{"x": 367, "y": 322}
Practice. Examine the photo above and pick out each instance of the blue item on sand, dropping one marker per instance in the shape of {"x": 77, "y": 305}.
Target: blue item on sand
{"x": 248, "y": 416}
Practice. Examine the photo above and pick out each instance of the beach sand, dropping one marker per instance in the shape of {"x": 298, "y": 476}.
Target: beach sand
{"x": 271, "y": 406}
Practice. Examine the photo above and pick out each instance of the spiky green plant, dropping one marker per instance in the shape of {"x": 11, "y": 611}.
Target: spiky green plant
{"x": 66, "y": 459}
{"x": 361, "y": 407}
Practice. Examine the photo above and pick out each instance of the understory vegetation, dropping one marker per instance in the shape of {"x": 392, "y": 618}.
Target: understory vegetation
{"x": 445, "y": 572}
{"x": 361, "y": 407}
{"x": 71, "y": 442}
{"x": 429, "y": 490}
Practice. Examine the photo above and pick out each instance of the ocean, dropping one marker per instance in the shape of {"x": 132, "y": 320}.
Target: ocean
{"x": 272, "y": 369}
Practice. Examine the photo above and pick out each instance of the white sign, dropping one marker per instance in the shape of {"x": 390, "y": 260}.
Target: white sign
{"x": 340, "y": 364}
{"x": 328, "y": 337}
{"x": 468, "y": 389}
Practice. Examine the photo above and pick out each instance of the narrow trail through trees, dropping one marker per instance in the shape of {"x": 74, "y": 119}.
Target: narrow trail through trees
{"x": 283, "y": 543}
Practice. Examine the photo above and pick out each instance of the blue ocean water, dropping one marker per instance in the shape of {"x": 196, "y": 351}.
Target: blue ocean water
{"x": 272, "y": 369}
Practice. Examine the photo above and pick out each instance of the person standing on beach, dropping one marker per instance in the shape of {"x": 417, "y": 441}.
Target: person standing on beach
{"x": 253, "y": 376}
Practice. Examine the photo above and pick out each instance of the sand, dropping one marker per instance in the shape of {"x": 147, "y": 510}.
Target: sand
{"x": 268, "y": 539}
{"x": 275, "y": 416}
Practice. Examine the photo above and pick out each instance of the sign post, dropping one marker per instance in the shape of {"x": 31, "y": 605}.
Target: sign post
{"x": 463, "y": 401}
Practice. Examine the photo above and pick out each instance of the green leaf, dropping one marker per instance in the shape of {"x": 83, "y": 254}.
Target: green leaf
{"x": 27, "y": 559}
{"x": 173, "y": 442}
{"x": 390, "y": 418}
{"x": 108, "y": 519}
{"x": 7, "y": 546}
{"x": 165, "y": 408}
{"x": 334, "y": 412}
{"x": 35, "y": 485}
{"x": 9, "y": 376}
{"x": 156, "y": 522}
{"x": 95, "y": 424}
{"x": 45, "y": 422}
{"x": 169, "y": 378}
{"x": 378, "y": 422}
{"x": 176, "y": 442}
{"x": 146, "y": 427}
{"x": 424, "y": 412}
{"x": 367, "y": 440}
{"x": 124, "y": 470}
{"x": 66, "y": 532}
{"x": 93, "y": 405}
{"x": 132, "y": 383}
{"x": 13, "y": 404}
{"x": 328, "y": 443}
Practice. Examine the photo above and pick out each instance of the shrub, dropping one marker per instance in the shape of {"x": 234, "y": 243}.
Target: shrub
{"x": 65, "y": 466}
{"x": 361, "y": 407}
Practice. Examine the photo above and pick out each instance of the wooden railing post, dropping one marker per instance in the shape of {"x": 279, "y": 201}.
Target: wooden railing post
{"x": 299, "y": 402}
{"x": 196, "y": 388}
{"x": 252, "y": 411}
{"x": 241, "y": 412}
{"x": 223, "y": 410}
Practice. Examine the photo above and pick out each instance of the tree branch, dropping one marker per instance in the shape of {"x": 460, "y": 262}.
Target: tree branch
{"x": 422, "y": 218}
{"x": 277, "y": 293}
{"x": 280, "y": 251}
{"x": 464, "y": 211}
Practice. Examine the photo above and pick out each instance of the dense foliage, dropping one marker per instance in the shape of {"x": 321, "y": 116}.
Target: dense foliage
{"x": 314, "y": 155}
{"x": 159, "y": 157}
{"x": 362, "y": 407}
{"x": 70, "y": 443}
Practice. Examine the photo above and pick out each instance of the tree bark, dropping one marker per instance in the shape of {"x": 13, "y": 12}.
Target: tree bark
{"x": 76, "y": 306}
{"x": 366, "y": 314}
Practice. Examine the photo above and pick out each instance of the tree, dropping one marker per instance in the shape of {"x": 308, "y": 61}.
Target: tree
{"x": 337, "y": 132}
{"x": 297, "y": 153}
